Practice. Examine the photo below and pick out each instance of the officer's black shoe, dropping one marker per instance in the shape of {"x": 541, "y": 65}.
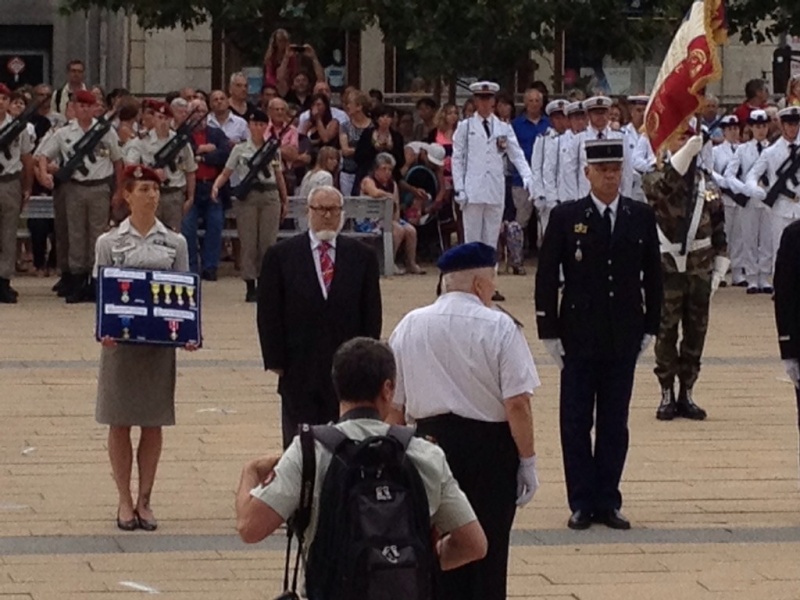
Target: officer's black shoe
{"x": 687, "y": 408}
{"x": 209, "y": 274}
{"x": 6, "y": 296}
{"x": 740, "y": 284}
{"x": 79, "y": 290}
{"x": 613, "y": 519}
{"x": 753, "y": 290}
{"x": 667, "y": 410}
{"x": 63, "y": 285}
{"x": 251, "y": 290}
{"x": 498, "y": 297}
{"x": 767, "y": 289}
{"x": 580, "y": 519}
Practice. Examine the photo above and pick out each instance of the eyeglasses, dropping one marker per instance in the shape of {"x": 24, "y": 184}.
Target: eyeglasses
{"x": 321, "y": 210}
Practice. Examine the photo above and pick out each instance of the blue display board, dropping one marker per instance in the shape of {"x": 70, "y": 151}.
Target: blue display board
{"x": 137, "y": 306}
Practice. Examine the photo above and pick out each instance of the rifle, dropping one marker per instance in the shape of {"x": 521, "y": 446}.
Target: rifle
{"x": 256, "y": 165}
{"x": 740, "y": 199}
{"x": 786, "y": 172}
{"x": 11, "y": 132}
{"x": 168, "y": 153}
{"x": 84, "y": 148}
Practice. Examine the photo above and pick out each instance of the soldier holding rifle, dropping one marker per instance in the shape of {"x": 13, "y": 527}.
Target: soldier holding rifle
{"x": 16, "y": 179}
{"x": 260, "y": 196}
{"x": 781, "y": 164}
{"x": 171, "y": 156}
{"x": 91, "y": 156}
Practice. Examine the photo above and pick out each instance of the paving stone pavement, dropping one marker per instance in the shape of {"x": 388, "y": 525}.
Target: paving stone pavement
{"x": 715, "y": 505}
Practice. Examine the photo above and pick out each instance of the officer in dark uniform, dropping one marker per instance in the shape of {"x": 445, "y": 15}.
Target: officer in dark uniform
{"x": 786, "y": 282}
{"x": 607, "y": 247}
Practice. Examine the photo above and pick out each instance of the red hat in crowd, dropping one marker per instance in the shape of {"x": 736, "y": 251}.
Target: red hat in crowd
{"x": 140, "y": 173}
{"x": 85, "y": 97}
{"x": 149, "y": 104}
{"x": 162, "y": 108}
{"x": 4, "y": 91}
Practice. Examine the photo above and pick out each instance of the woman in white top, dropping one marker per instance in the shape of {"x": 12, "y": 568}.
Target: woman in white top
{"x": 323, "y": 173}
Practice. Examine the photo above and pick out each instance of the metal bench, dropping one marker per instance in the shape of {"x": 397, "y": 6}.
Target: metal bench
{"x": 355, "y": 207}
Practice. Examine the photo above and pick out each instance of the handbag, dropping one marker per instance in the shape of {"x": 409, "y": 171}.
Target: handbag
{"x": 299, "y": 521}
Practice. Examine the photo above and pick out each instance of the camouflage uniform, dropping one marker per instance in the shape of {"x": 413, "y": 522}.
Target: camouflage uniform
{"x": 686, "y": 294}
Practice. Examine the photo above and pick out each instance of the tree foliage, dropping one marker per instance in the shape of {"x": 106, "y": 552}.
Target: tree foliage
{"x": 452, "y": 37}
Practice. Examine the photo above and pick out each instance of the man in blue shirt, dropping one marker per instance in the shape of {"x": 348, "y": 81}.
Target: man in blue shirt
{"x": 528, "y": 126}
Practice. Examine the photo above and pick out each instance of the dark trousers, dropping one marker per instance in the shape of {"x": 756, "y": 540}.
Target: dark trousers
{"x": 605, "y": 386}
{"x": 43, "y": 230}
{"x": 484, "y": 461}
{"x": 213, "y": 215}
{"x": 314, "y": 408}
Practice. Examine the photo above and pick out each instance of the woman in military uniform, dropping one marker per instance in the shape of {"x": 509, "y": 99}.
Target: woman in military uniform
{"x": 136, "y": 385}
{"x": 259, "y": 213}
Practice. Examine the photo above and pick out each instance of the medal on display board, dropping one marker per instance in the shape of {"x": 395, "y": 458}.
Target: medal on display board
{"x": 132, "y": 310}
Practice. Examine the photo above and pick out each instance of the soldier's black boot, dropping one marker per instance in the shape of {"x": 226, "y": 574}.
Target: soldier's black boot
{"x": 79, "y": 289}
{"x": 62, "y": 286}
{"x": 250, "y": 296}
{"x": 686, "y": 406}
{"x": 667, "y": 410}
{"x": 6, "y": 295}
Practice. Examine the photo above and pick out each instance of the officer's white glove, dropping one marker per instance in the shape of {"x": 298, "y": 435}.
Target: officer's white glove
{"x": 792, "y": 368}
{"x": 527, "y": 480}
{"x": 461, "y": 198}
{"x": 528, "y": 185}
{"x": 681, "y": 160}
{"x": 757, "y": 192}
{"x": 721, "y": 264}
{"x": 647, "y": 339}
{"x": 555, "y": 349}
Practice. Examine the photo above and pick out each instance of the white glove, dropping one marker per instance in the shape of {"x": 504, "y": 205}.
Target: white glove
{"x": 757, "y": 192}
{"x": 555, "y": 349}
{"x": 528, "y": 185}
{"x": 681, "y": 160}
{"x": 792, "y": 368}
{"x": 527, "y": 480}
{"x": 647, "y": 339}
{"x": 461, "y": 198}
{"x": 721, "y": 264}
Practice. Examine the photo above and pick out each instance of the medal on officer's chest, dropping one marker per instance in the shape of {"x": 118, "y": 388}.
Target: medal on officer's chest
{"x": 578, "y": 253}
{"x": 502, "y": 143}
{"x": 167, "y": 293}
{"x": 125, "y": 287}
{"x": 190, "y": 294}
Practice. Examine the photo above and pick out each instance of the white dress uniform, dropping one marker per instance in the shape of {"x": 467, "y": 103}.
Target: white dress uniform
{"x": 577, "y": 161}
{"x": 755, "y": 219}
{"x": 723, "y": 155}
{"x": 544, "y": 146}
{"x": 643, "y": 159}
{"x": 785, "y": 211}
{"x": 479, "y": 174}
{"x": 560, "y": 184}
{"x": 632, "y": 138}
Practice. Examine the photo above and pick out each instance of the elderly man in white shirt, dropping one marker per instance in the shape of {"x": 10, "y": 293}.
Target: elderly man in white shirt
{"x": 235, "y": 128}
{"x": 465, "y": 375}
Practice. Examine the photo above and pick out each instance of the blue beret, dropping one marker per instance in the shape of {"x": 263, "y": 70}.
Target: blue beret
{"x": 475, "y": 255}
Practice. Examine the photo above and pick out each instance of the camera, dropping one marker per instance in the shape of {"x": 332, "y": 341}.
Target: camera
{"x": 298, "y": 48}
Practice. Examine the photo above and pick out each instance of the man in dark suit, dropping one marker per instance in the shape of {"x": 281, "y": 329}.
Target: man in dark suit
{"x": 316, "y": 291}
{"x": 607, "y": 247}
{"x": 786, "y": 283}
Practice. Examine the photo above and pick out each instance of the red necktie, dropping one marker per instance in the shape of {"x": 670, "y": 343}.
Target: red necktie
{"x": 326, "y": 265}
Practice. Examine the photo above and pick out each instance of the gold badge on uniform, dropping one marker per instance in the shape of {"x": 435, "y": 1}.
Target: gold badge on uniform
{"x": 581, "y": 228}
{"x": 502, "y": 143}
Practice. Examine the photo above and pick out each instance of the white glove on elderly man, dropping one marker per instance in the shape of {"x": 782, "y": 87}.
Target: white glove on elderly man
{"x": 527, "y": 480}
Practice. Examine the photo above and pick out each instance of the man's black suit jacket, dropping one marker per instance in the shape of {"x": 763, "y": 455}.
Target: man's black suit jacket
{"x": 298, "y": 328}
{"x": 612, "y": 287}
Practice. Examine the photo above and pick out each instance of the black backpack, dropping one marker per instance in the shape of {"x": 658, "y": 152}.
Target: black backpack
{"x": 373, "y": 538}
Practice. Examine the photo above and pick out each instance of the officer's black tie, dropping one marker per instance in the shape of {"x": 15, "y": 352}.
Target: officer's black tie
{"x": 760, "y": 147}
{"x": 600, "y": 135}
{"x": 607, "y": 221}
{"x": 486, "y": 128}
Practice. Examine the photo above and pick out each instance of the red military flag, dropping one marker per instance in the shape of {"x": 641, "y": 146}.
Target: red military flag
{"x": 692, "y": 62}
